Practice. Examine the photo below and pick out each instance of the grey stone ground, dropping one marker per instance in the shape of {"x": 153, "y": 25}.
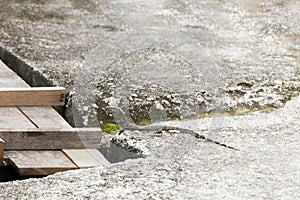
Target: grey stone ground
{"x": 180, "y": 167}
{"x": 134, "y": 61}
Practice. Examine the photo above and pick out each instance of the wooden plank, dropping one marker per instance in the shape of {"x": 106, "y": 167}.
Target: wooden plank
{"x": 38, "y": 116}
{"x": 91, "y": 137}
{"x": 45, "y": 117}
{"x": 39, "y": 96}
{"x": 41, "y": 139}
{"x": 9, "y": 79}
{"x": 3, "y": 159}
{"x": 85, "y": 158}
{"x": 1, "y": 149}
{"x": 8, "y": 82}
{"x": 35, "y": 163}
{"x": 11, "y": 117}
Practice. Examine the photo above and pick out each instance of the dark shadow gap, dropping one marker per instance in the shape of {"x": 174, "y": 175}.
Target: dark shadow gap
{"x": 8, "y": 173}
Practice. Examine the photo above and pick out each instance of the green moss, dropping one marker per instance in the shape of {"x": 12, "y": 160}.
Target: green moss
{"x": 145, "y": 122}
{"x": 109, "y": 127}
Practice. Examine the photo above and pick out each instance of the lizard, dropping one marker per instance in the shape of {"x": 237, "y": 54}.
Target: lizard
{"x": 174, "y": 129}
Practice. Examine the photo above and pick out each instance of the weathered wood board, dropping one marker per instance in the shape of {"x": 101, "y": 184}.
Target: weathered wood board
{"x": 85, "y": 158}
{"x": 22, "y": 117}
{"x": 39, "y": 96}
{"x": 41, "y": 139}
{"x": 45, "y": 118}
{"x": 35, "y": 135}
{"x": 35, "y": 163}
{"x": 12, "y": 117}
{"x": 91, "y": 137}
{"x": 9, "y": 79}
{"x": 2, "y": 143}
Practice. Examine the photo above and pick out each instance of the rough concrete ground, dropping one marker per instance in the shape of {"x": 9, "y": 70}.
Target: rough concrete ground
{"x": 145, "y": 61}
{"x": 181, "y": 58}
{"x": 180, "y": 167}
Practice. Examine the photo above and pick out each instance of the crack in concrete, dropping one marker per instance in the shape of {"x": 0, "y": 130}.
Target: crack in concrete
{"x": 171, "y": 129}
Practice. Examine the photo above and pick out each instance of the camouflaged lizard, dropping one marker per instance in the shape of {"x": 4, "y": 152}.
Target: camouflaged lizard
{"x": 175, "y": 130}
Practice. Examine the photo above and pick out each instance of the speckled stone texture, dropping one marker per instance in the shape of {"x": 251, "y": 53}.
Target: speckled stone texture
{"x": 228, "y": 69}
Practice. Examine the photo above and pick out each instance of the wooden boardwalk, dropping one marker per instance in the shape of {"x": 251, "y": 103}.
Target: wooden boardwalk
{"x": 37, "y": 140}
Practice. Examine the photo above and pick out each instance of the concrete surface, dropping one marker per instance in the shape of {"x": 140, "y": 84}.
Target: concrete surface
{"x": 180, "y": 167}
{"x": 203, "y": 62}
{"x": 188, "y": 58}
